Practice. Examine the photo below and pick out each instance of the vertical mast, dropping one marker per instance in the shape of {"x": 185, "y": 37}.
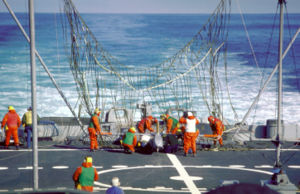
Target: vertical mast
{"x": 33, "y": 94}
{"x": 277, "y": 164}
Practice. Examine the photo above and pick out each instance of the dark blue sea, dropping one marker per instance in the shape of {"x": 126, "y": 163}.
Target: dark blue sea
{"x": 149, "y": 39}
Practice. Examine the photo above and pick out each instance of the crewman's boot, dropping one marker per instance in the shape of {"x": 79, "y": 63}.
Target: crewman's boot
{"x": 194, "y": 155}
{"x": 17, "y": 147}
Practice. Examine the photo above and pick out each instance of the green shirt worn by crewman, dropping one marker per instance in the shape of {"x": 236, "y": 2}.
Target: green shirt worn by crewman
{"x": 86, "y": 177}
{"x": 128, "y": 138}
{"x": 174, "y": 123}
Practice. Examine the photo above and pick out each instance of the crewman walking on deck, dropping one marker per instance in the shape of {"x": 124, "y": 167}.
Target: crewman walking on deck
{"x": 146, "y": 123}
{"x": 12, "y": 122}
{"x": 129, "y": 141}
{"x": 217, "y": 128}
{"x": 27, "y": 123}
{"x": 94, "y": 130}
{"x": 190, "y": 134}
{"x": 172, "y": 124}
{"x": 85, "y": 175}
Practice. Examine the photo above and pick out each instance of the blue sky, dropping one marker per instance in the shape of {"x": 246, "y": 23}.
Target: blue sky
{"x": 151, "y": 6}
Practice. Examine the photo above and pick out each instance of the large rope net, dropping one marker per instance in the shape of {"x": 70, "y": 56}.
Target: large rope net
{"x": 192, "y": 78}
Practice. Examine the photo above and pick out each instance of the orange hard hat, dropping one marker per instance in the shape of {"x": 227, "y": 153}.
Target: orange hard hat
{"x": 211, "y": 119}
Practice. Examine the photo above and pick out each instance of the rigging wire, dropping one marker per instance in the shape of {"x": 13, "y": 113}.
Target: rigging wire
{"x": 252, "y": 49}
{"x": 293, "y": 50}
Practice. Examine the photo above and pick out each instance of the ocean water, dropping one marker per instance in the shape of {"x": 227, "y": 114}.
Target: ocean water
{"x": 148, "y": 39}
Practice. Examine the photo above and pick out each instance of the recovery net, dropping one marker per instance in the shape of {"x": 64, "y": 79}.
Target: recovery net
{"x": 195, "y": 78}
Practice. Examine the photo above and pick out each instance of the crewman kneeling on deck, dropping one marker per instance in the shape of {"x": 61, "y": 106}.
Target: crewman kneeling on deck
{"x": 85, "y": 175}
{"x": 172, "y": 124}
{"x": 94, "y": 129}
{"x": 146, "y": 123}
{"x": 191, "y": 133}
{"x": 129, "y": 141}
{"x": 12, "y": 121}
{"x": 171, "y": 143}
{"x": 217, "y": 128}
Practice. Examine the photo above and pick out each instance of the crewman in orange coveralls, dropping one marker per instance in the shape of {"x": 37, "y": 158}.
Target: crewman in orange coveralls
{"x": 217, "y": 128}
{"x": 13, "y": 122}
{"x": 172, "y": 123}
{"x": 146, "y": 123}
{"x": 129, "y": 140}
{"x": 190, "y": 134}
{"x": 85, "y": 175}
{"x": 94, "y": 130}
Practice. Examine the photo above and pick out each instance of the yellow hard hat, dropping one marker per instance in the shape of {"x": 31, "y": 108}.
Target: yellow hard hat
{"x": 163, "y": 116}
{"x": 11, "y": 108}
{"x": 88, "y": 159}
{"x": 132, "y": 128}
{"x": 97, "y": 111}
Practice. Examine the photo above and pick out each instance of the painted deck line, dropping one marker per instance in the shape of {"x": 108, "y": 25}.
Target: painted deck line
{"x": 228, "y": 167}
{"x": 24, "y": 189}
{"x": 98, "y": 167}
{"x": 60, "y": 167}
{"x": 29, "y": 168}
{"x": 3, "y": 168}
{"x": 183, "y": 173}
{"x": 294, "y": 166}
{"x": 179, "y": 178}
{"x": 236, "y": 166}
{"x": 61, "y": 188}
{"x": 119, "y": 166}
{"x": 273, "y": 149}
{"x": 74, "y": 149}
{"x": 263, "y": 166}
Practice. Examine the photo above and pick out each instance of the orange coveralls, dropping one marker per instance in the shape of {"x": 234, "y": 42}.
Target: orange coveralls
{"x": 13, "y": 122}
{"x": 146, "y": 123}
{"x": 94, "y": 128}
{"x": 78, "y": 172}
{"x": 217, "y": 128}
{"x": 190, "y": 135}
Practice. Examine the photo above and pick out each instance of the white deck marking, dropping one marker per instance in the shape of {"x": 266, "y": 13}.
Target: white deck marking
{"x": 179, "y": 178}
{"x": 61, "y": 188}
{"x": 294, "y": 166}
{"x": 28, "y": 168}
{"x": 28, "y": 189}
{"x": 98, "y": 167}
{"x": 72, "y": 149}
{"x": 60, "y": 167}
{"x": 120, "y": 166}
{"x": 3, "y": 168}
{"x": 165, "y": 190}
{"x": 24, "y": 189}
{"x": 183, "y": 173}
{"x": 264, "y": 166}
{"x": 236, "y": 166}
